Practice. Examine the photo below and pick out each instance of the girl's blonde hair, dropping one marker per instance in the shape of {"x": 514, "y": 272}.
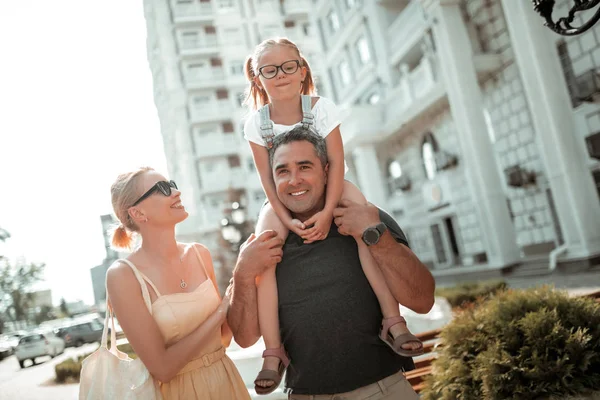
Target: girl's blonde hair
{"x": 124, "y": 192}
{"x": 256, "y": 97}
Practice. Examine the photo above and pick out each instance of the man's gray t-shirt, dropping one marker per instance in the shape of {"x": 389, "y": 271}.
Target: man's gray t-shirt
{"x": 330, "y": 318}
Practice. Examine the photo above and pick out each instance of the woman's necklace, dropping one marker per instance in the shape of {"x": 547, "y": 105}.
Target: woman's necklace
{"x": 182, "y": 283}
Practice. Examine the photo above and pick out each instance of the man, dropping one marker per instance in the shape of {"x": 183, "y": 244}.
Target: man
{"x": 329, "y": 315}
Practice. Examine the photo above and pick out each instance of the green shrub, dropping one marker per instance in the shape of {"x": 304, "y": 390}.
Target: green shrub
{"x": 529, "y": 344}
{"x": 68, "y": 369}
{"x": 468, "y": 293}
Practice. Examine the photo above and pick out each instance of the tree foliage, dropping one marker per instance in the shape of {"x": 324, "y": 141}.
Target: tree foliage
{"x": 16, "y": 286}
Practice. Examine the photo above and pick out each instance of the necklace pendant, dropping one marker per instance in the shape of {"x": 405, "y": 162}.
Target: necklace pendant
{"x": 183, "y": 285}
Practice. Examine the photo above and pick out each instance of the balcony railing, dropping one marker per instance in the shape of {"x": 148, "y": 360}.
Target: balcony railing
{"x": 216, "y": 144}
{"x": 198, "y": 44}
{"x": 413, "y": 86}
{"x": 295, "y": 7}
{"x": 234, "y": 178}
{"x": 406, "y": 30}
{"x": 215, "y": 76}
{"x": 213, "y": 111}
{"x": 193, "y": 10}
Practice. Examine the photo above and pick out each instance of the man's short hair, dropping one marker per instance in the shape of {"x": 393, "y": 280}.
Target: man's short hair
{"x": 299, "y": 134}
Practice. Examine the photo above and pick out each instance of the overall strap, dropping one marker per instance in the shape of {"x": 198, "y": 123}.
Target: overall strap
{"x": 307, "y": 115}
{"x": 141, "y": 278}
{"x": 266, "y": 126}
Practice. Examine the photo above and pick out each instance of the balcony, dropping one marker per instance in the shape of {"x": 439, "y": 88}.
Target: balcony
{"x": 406, "y": 31}
{"x": 193, "y": 12}
{"x": 222, "y": 181}
{"x": 199, "y": 46}
{"x": 216, "y": 144}
{"x": 361, "y": 125}
{"x": 214, "y": 77}
{"x": 217, "y": 110}
{"x": 297, "y": 8}
{"x": 417, "y": 90}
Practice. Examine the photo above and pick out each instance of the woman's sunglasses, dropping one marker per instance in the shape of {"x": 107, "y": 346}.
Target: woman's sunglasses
{"x": 162, "y": 186}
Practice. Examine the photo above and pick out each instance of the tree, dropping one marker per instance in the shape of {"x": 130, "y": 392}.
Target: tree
{"x": 46, "y": 313}
{"x": 63, "y": 308}
{"x": 16, "y": 284}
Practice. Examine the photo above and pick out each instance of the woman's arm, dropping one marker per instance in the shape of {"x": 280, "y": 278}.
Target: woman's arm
{"x": 263, "y": 166}
{"x": 143, "y": 332}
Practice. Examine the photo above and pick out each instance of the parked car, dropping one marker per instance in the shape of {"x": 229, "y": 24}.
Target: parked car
{"x": 9, "y": 342}
{"x": 80, "y": 333}
{"x": 38, "y": 345}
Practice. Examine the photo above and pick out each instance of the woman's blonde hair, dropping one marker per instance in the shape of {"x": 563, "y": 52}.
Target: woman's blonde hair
{"x": 256, "y": 97}
{"x": 124, "y": 192}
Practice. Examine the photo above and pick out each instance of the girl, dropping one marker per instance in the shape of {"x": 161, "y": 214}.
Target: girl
{"x": 280, "y": 92}
{"x": 182, "y": 339}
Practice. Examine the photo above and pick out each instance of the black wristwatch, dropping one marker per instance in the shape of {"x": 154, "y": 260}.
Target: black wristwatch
{"x": 372, "y": 235}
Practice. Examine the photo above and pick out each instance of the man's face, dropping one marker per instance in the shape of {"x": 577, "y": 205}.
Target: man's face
{"x": 300, "y": 177}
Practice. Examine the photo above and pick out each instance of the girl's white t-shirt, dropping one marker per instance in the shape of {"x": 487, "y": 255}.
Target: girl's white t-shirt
{"x": 327, "y": 118}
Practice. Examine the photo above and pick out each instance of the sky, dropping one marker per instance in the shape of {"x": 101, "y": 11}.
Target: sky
{"x": 76, "y": 109}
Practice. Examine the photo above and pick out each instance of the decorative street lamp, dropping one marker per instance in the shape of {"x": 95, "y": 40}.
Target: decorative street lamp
{"x": 233, "y": 225}
{"x": 563, "y": 25}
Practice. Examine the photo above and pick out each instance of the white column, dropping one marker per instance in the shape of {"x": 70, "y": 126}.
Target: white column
{"x": 456, "y": 61}
{"x": 369, "y": 175}
{"x": 548, "y": 99}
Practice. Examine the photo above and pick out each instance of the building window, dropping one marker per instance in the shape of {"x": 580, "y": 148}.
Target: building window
{"x": 289, "y": 24}
{"x": 306, "y": 29}
{"x": 345, "y": 76}
{"x": 232, "y": 36}
{"x": 394, "y": 169}
{"x": 362, "y": 46}
{"x": 210, "y": 30}
{"x": 226, "y": 5}
{"x": 189, "y": 40}
{"x": 222, "y": 94}
{"x": 227, "y": 127}
{"x": 234, "y": 161}
{"x": 216, "y": 62}
{"x": 236, "y": 68}
{"x": 334, "y": 22}
{"x": 350, "y": 4}
{"x": 200, "y": 101}
{"x": 374, "y": 98}
{"x": 428, "y": 150}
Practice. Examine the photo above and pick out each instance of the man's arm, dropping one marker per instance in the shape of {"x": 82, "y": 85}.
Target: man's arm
{"x": 409, "y": 280}
{"x": 257, "y": 254}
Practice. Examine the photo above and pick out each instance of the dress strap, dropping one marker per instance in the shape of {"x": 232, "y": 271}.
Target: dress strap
{"x": 204, "y": 266}
{"x": 307, "y": 115}
{"x": 141, "y": 278}
{"x": 266, "y": 125}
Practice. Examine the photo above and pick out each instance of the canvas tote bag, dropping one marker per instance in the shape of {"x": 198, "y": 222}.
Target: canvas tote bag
{"x": 109, "y": 374}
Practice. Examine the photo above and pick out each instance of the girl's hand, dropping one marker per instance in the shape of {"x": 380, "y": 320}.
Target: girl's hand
{"x": 297, "y": 227}
{"x": 321, "y": 222}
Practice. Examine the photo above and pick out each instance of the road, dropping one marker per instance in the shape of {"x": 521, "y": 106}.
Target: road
{"x": 36, "y": 382}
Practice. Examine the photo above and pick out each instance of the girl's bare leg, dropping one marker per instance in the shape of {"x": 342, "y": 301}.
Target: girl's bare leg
{"x": 268, "y": 312}
{"x": 389, "y": 305}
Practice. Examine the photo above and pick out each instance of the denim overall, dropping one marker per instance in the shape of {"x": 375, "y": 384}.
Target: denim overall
{"x": 266, "y": 125}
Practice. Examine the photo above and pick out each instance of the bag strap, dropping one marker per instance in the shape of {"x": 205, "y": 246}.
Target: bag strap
{"x": 307, "y": 115}
{"x": 140, "y": 277}
{"x": 266, "y": 125}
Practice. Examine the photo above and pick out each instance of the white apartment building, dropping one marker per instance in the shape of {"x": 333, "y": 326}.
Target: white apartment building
{"x": 196, "y": 51}
{"x": 468, "y": 121}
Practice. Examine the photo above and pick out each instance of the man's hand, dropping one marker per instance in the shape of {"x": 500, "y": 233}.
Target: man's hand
{"x": 257, "y": 254}
{"x": 352, "y": 218}
{"x": 321, "y": 222}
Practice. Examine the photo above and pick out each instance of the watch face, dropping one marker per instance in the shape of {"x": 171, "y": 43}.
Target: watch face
{"x": 371, "y": 236}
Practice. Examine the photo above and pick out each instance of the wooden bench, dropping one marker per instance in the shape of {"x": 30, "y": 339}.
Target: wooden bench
{"x": 431, "y": 342}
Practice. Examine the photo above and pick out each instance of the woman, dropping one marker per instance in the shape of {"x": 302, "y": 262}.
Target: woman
{"x": 182, "y": 342}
